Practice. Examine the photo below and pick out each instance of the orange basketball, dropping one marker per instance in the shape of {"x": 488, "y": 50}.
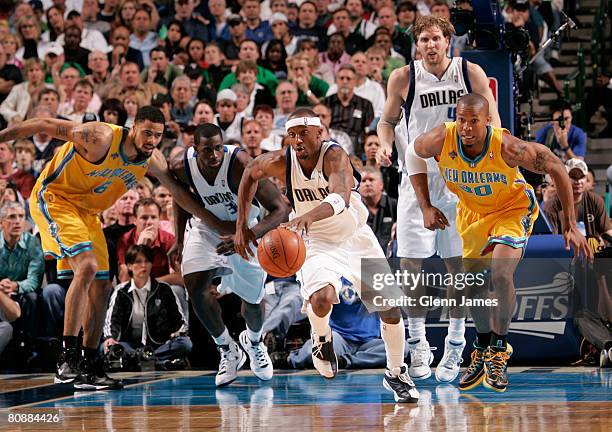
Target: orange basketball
{"x": 281, "y": 252}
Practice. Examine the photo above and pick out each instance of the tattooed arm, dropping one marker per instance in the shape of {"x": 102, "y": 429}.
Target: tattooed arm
{"x": 538, "y": 158}
{"x": 91, "y": 139}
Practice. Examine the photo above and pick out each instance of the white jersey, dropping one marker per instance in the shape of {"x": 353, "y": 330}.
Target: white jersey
{"x": 221, "y": 197}
{"x": 307, "y": 193}
{"x": 432, "y": 101}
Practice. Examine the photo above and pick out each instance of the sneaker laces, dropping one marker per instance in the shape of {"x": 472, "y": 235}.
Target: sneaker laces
{"x": 420, "y": 354}
{"x": 477, "y": 360}
{"x": 225, "y": 358}
{"x": 497, "y": 362}
{"x": 453, "y": 356}
{"x": 317, "y": 347}
{"x": 260, "y": 354}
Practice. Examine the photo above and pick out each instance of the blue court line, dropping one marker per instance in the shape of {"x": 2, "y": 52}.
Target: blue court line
{"x": 346, "y": 388}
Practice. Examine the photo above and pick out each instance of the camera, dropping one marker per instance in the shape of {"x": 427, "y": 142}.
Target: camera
{"x": 115, "y": 356}
{"x": 516, "y": 39}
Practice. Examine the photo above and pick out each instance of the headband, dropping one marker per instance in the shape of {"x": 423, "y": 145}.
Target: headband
{"x": 302, "y": 121}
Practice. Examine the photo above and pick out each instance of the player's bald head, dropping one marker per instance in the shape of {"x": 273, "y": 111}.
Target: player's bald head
{"x": 302, "y": 112}
{"x": 475, "y": 102}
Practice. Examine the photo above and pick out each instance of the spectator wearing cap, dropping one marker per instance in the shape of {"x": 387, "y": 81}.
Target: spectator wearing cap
{"x": 237, "y": 31}
{"x": 142, "y": 38}
{"x": 307, "y": 25}
{"x": 122, "y": 52}
{"x": 28, "y": 31}
{"x": 227, "y": 117}
{"x": 365, "y": 87}
{"x": 250, "y": 51}
{"x": 54, "y": 59}
{"x": 567, "y": 142}
{"x": 181, "y": 93}
{"x": 280, "y": 30}
{"x": 350, "y": 113}
{"x": 194, "y": 24}
{"x": 90, "y": 39}
{"x": 354, "y": 41}
{"x": 257, "y": 29}
{"x": 310, "y": 88}
{"x": 160, "y": 70}
{"x": 335, "y": 56}
{"x": 10, "y": 75}
{"x": 589, "y": 208}
{"x": 218, "y": 27}
{"x": 264, "y": 115}
{"x": 15, "y": 107}
{"x": 91, "y": 20}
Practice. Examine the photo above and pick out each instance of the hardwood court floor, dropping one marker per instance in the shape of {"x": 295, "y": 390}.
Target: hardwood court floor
{"x": 539, "y": 399}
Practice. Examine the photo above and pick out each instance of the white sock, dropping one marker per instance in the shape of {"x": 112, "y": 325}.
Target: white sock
{"x": 224, "y": 338}
{"x": 394, "y": 337}
{"x": 254, "y": 336}
{"x": 320, "y": 325}
{"x": 456, "y": 329}
{"x": 416, "y": 328}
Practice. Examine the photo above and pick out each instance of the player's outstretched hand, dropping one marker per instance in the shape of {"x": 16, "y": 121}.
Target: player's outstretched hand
{"x": 243, "y": 240}
{"x": 226, "y": 247}
{"x": 157, "y": 164}
{"x": 383, "y": 156}
{"x": 299, "y": 224}
{"x": 434, "y": 219}
{"x": 574, "y": 238}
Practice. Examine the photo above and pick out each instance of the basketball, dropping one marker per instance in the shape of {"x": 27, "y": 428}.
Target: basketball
{"x": 281, "y": 252}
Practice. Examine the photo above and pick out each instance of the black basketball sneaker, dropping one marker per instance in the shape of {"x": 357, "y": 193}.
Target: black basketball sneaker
{"x": 496, "y": 368}
{"x": 474, "y": 374}
{"x": 401, "y": 385}
{"x": 93, "y": 378}
{"x": 67, "y": 366}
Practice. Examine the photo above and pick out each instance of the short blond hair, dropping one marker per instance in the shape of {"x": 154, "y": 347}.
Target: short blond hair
{"x": 425, "y": 22}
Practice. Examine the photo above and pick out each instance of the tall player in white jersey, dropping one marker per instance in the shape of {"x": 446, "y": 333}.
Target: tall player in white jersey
{"x": 322, "y": 188}
{"x": 428, "y": 90}
{"x": 213, "y": 172}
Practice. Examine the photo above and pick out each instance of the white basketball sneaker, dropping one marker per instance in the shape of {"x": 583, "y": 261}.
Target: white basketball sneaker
{"x": 448, "y": 368}
{"x": 232, "y": 359}
{"x": 261, "y": 364}
{"x": 420, "y": 358}
{"x": 323, "y": 355}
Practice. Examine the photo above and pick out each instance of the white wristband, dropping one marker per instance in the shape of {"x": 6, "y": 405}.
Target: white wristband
{"x": 415, "y": 164}
{"x": 336, "y": 201}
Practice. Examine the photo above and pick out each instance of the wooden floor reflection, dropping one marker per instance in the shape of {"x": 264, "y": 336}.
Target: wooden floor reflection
{"x": 470, "y": 416}
{"x": 538, "y": 399}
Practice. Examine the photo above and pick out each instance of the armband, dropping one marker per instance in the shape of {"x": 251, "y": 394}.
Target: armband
{"x": 336, "y": 201}
{"x": 415, "y": 164}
